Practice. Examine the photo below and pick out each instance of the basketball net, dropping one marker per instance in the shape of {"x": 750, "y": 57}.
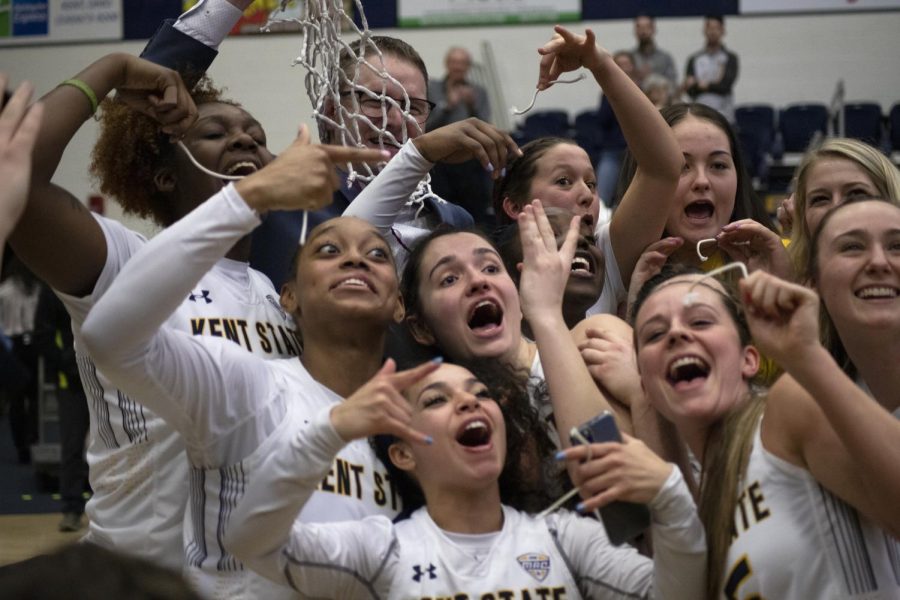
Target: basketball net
{"x": 335, "y": 94}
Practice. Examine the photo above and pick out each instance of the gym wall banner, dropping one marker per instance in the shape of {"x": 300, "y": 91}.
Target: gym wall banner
{"x": 429, "y": 13}
{"x": 52, "y": 21}
{"x": 257, "y": 15}
{"x": 796, "y": 6}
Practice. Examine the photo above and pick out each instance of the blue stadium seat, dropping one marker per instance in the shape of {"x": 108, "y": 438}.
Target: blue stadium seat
{"x": 586, "y": 130}
{"x": 546, "y": 122}
{"x": 862, "y": 121}
{"x": 894, "y": 125}
{"x": 798, "y": 124}
{"x": 756, "y": 134}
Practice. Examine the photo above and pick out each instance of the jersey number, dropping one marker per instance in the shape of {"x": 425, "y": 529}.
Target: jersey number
{"x": 736, "y": 578}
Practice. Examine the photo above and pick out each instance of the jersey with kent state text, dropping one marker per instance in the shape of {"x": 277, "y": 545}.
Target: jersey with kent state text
{"x": 232, "y": 408}
{"x": 562, "y": 555}
{"x": 138, "y": 470}
{"x": 795, "y": 539}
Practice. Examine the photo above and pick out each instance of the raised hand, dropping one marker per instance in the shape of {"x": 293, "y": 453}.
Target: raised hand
{"x": 783, "y": 317}
{"x": 785, "y": 215}
{"x": 756, "y": 246}
{"x": 302, "y": 177}
{"x": 611, "y": 360}
{"x": 568, "y": 51}
{"x": 19, "y": 126}
{"x": 155, "y": 91}
{"x": 606, "y": 472}
{"x": 378, "y": 407}
{"x": 467, "y": 140}
{"x": 545, "y": 269}
{"x": 649, "y": 264}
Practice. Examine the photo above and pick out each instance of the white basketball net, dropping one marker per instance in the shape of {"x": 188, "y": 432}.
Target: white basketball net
{"x": 321, "y": 23}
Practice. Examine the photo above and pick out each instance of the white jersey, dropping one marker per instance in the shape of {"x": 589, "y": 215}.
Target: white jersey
{"x": 231, "y": 407}
{"x": 795, "y": 539}
{"x": 615, "y": 292}
{"x": 560, "y": 556}
{"x": 137, "y": 466}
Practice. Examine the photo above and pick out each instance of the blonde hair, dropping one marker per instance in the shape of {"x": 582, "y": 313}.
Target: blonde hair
{"x": 883, "y": 173}
{"x": 725, "y": 460}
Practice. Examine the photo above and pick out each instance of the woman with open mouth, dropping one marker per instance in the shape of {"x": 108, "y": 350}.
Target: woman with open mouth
{"x": 775, "y": 469}
{"x": 461, "y": 302}
{"x": 714, "y": 202}
{"x": 558, "y": 172}
{"x": 450, "y": 438}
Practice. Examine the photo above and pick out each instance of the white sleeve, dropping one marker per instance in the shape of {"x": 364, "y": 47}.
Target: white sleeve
{"x": 386, "y": 195}
{"x": 333, "y": 560}
{"x": 614, "y": 290}
{"x": 185, "y": 379}
{"x": 209, "y": 21}
{"x": 678, "y": 568}
{"x": 679, "y": 542}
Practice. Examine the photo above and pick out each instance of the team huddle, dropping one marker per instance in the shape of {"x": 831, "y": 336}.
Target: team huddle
{"x": 394, "y": 420}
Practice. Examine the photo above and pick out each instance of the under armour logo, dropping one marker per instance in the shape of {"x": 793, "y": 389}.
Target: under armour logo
{"x": 202, "y": 295}
{"x": 417, "y": 572}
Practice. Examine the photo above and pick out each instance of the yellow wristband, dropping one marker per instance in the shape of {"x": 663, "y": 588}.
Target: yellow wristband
{"x": 86, "y": 90}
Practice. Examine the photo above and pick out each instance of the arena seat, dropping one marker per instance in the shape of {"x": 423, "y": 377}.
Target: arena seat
{"x": 586, "y": 131}
{"x": 799, "y": 123}
{"x": 862, "y": 121}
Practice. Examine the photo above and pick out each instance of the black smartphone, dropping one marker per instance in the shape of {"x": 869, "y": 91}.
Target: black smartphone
{"x": 623, "y": 521}
{"x": 6, "y": 96}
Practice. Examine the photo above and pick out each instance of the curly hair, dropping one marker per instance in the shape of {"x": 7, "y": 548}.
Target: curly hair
{"x": 530, "y": 476}
{"x": 131, "y": 149}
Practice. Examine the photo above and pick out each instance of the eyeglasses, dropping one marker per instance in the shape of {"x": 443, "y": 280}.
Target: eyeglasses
{"x": 419, "y": 108}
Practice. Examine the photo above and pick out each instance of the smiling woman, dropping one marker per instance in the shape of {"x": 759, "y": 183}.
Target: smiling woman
{"x": 464, "y": 542}
{"x": 777, "y": 469}
{"x": 837, "y": 171}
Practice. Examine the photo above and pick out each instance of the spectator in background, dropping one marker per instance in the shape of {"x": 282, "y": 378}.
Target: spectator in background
{"x": 457, "y": 98}
{"x": 648, "y": 58}
{"x": 612, "y": 142}
{"x": 658, "y": 89}
{"x": 711, "y": 73}
{"x": 19, "y": 293}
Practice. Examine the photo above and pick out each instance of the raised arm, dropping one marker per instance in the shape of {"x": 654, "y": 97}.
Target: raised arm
{"x": 19, "y": 126}
{"x": 641, "y": 215}
{"x": 57, "y": 236}
{"x": 816, "y": 416}
{"x": 383, "y": 198}
{"x": 573, "y": 393}
{"x": 148, "y": 290}
{"x": 190, "y": 44}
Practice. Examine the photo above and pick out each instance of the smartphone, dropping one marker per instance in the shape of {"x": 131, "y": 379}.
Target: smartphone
{"x": 623, "y": 521}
